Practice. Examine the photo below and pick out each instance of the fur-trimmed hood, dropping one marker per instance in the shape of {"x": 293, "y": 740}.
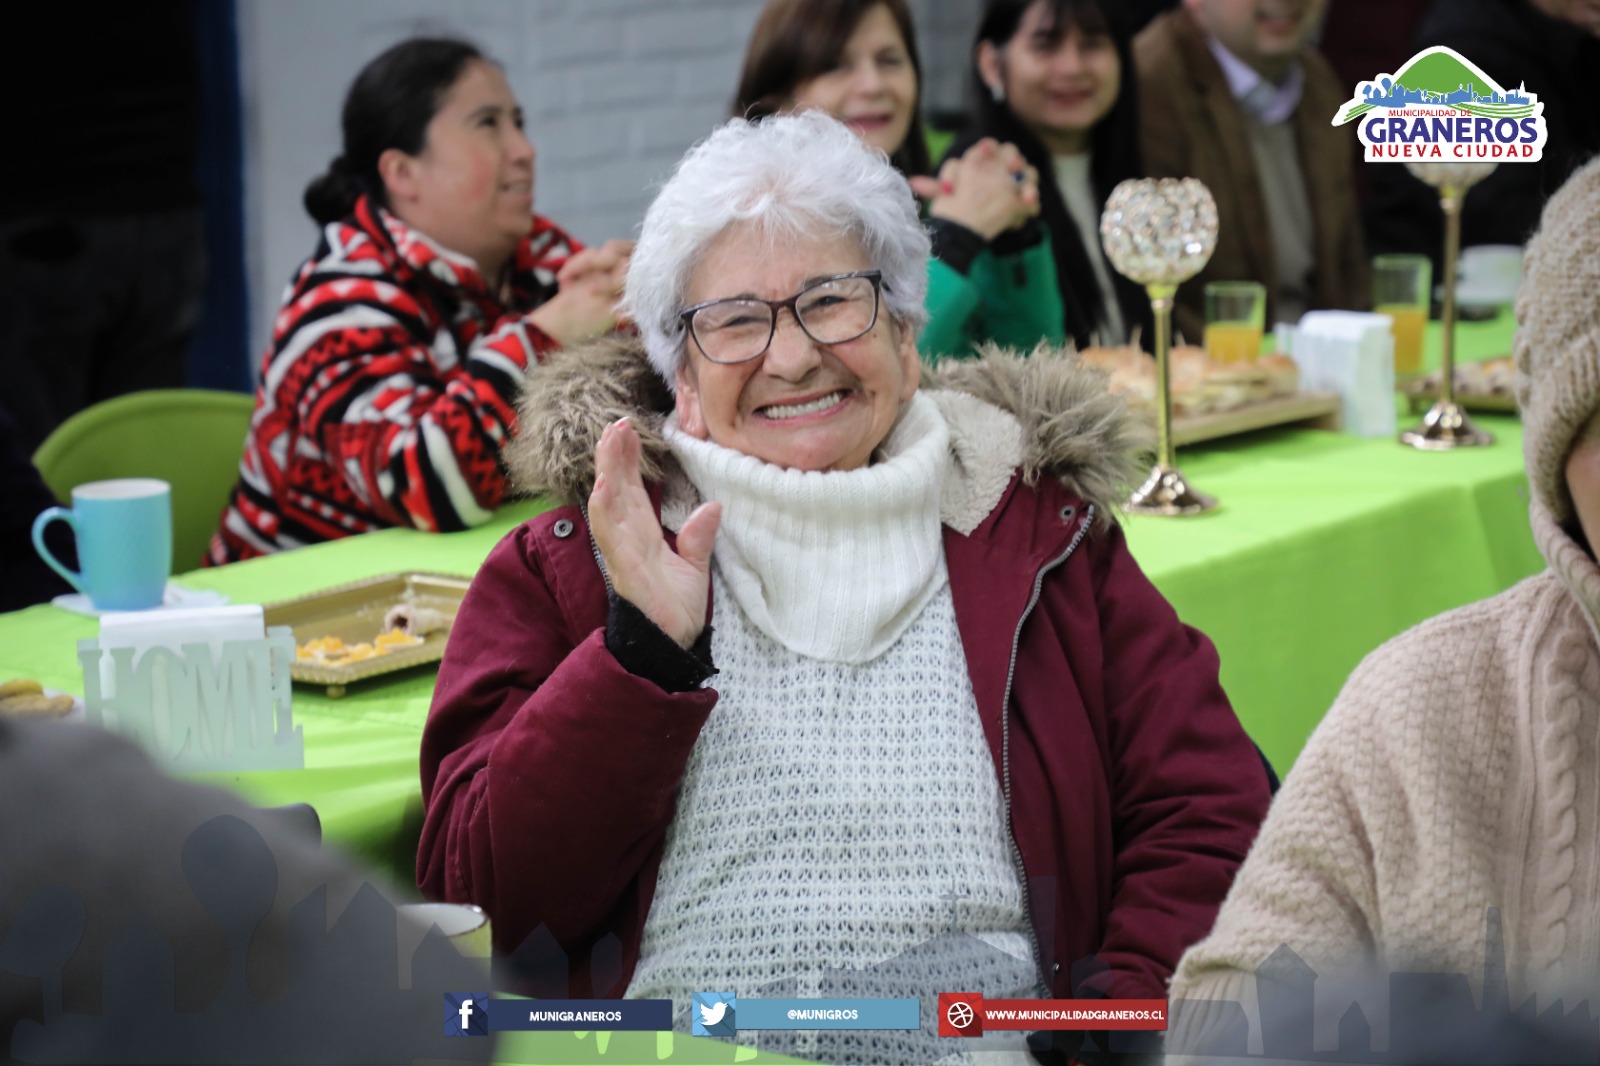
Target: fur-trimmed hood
{"x": 1073, "y": 429}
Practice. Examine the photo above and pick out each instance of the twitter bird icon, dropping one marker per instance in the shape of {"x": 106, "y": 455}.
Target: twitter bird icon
{"x": 712, "y": 1014}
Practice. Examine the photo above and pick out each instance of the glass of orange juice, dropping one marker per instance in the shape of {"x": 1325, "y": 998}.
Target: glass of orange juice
{"x": 1236, "y": 315}
{"x": 1401, "y": 288}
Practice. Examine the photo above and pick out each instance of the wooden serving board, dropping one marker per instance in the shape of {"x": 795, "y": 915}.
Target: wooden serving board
{"x": 1319, "y": 409}
{"x": 1422, "y": 394}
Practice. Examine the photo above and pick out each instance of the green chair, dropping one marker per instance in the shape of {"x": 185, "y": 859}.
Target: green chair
{"x": 190, "y": 438}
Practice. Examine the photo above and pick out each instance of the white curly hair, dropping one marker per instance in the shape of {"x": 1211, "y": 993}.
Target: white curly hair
{"x": 791, "y": 175}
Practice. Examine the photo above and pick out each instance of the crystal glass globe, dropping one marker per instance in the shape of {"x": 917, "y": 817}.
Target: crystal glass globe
{"x": 1460, "y": 175}
{"x": 1159, "y": 231}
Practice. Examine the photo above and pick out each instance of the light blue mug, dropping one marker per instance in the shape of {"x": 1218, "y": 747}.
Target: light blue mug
{"x": 124, "y": 533}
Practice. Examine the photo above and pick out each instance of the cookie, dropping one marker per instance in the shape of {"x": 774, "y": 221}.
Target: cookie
{"x": 21, "y": 686}
{"x": 35, "y": 705}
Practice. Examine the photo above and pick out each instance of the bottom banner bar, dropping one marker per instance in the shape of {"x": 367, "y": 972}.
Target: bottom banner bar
{"x": 615, "y": 1015}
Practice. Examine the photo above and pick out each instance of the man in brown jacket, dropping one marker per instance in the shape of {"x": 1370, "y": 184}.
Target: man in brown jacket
{"x": 1232, "y": 93}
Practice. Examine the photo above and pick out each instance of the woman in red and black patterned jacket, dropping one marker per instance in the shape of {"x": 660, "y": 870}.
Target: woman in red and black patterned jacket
{"x": 389, "y": 391}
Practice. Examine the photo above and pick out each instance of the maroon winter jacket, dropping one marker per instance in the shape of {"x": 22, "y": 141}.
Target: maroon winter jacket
{"x": 550, "y": 773}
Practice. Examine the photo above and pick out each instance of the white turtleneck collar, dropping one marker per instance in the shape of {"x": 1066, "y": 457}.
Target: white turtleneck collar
{"x": 831, "y": 565}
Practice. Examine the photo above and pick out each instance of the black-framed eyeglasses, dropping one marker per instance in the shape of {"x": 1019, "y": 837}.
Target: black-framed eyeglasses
{"x": 830, "y": 310}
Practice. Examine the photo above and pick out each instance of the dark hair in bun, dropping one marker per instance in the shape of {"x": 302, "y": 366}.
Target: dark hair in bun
{"x": 389, "y": 105}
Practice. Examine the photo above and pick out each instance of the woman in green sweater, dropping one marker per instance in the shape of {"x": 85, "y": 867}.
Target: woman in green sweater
{"x": 993, "y": 274}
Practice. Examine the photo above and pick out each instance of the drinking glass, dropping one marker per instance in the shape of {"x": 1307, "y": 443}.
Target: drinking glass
{"x": 1401, "y": 288}
{"x": 1236, "y": 315}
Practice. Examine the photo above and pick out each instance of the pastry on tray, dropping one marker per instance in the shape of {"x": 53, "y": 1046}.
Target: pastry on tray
{"x": 416, "y": 621}
{"x": 1490, "y": 385}
{"x": 1130, "y": 371}
{"x": 1200, "y": 384}
{"x": 331, "y": 651}
{"x": 25, "y": 698}
{"x": 1492, "y": 377}
{"x": 405, "y": 625}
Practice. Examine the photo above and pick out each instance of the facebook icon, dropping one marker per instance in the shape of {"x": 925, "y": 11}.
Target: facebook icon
{"x": 466, "y": 1014}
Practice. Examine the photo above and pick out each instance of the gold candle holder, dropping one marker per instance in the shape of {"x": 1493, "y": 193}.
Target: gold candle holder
{"x": 1160, "y": 233}
{"x": 1447, "y": 425}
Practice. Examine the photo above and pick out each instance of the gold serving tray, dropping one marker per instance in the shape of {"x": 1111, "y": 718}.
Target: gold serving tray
{"x": 354, "y": 613}
{"x": 1319, "y": 409}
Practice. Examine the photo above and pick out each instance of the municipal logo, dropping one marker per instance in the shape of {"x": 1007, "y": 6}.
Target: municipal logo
{"x": 712, "y": 1014}
{"x": 466, "y": 1014}
{"x": 1442, "y": 107}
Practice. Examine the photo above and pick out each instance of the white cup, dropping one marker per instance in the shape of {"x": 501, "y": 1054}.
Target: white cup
{"x": 1490, "y": 273}
{"x": 466, "y": 925}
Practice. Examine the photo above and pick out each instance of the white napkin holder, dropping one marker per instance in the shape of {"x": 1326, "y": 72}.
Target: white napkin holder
{"x": 1351, "y": 353}
{"x": 204, "y": 689}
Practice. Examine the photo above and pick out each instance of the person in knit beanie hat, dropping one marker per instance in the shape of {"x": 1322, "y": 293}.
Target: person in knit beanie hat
{"x": 1558, "y": 339}
{"x": 1445, "y": 816}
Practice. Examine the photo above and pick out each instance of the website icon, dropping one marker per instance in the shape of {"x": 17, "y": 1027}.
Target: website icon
{"x": 960, "y": 1014}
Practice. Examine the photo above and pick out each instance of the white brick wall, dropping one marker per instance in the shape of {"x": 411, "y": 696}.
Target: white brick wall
{"x": 615, "y": 90}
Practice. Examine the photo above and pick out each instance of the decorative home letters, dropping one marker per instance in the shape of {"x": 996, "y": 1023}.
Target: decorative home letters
{"x": 196, "y": 712}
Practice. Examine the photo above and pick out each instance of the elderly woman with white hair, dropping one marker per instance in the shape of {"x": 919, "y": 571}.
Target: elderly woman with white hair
{"x": 944, "y": 734}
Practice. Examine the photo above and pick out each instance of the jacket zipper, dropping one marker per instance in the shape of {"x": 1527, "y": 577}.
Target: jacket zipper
{"x": 1005, "y": 740}
{"x": 599, "y": 560}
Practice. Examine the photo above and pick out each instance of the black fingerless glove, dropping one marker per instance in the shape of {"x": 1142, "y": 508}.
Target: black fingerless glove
{"x": 645, "y": 650}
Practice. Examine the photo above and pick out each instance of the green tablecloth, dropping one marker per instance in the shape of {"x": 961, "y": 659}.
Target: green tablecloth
{"x": 1325, "y": 546}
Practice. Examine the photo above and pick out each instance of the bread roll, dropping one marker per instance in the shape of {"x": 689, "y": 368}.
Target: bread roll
{"x": 1282, "y": 372}
{"x": 1104, "y": 358}
{"x": 1188, "y": 367}
{"x": 1137, "y": 383}
{"x": 1129, "y": 372}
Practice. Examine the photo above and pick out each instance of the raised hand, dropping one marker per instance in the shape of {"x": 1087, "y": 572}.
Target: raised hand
{"x": 989, "y": 189}
{"x": 670, "y": 587}
{"x": 585, "y": 305}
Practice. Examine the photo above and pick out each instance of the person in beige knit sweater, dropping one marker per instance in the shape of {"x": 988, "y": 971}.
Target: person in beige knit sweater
{"x": 1457, "y": 771}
